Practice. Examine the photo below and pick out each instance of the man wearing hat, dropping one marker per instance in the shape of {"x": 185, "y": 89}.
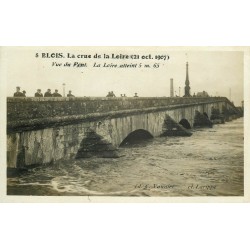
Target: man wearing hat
{"x": 56, "y": 94}
{"x": 18, "y": 93}
{"x": 48, "y": 93}
{"x": 69, "y": 94}
{"x": 38, "y": 93}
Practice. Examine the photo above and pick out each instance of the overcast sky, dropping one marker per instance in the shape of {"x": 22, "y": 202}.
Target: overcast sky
{"x": 213, "y": 71}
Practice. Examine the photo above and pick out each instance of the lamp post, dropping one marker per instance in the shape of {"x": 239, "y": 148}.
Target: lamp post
{"x": 64, "y": 89}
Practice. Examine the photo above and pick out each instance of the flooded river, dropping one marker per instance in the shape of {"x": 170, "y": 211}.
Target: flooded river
{"x": 209, "y": 163}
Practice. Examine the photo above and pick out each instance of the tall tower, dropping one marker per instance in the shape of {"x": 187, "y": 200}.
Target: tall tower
{"x": 187, "y": 87}
{"x": 171, "y": 87}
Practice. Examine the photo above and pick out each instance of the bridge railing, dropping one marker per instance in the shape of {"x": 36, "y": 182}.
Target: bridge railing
{"x": 44, "y": 107}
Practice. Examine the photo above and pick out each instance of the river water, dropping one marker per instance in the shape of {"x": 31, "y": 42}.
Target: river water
{"x": 209, "y": 163}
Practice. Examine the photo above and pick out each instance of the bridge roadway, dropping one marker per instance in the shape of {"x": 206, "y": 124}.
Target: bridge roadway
{"x": 46, "y": 130}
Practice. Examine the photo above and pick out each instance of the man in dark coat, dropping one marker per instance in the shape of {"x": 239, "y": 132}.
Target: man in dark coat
{"x": 18, "y": 93}
{"x": 38, "y": 93}
{"x": 48, "y": 93}
{"x": 56, "y": 94}
{"x": 70, "y": 94}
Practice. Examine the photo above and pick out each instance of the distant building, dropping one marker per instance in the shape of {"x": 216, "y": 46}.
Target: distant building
{"x": 202, "y": 94}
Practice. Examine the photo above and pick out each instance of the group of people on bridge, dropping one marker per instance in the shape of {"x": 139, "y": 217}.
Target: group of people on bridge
{"x": 48, "y": 93}
{"x": 39, "y": 93}
{"x": 111, "y": 94}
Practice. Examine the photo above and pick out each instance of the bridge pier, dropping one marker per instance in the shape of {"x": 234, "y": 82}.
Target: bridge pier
{"x": 172, "y": 128}
{"x": 202, "y": 120}
{"x": 95, "y": 145}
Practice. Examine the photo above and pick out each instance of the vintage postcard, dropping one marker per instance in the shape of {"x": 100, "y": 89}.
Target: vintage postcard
{"x": 124, "y": 124}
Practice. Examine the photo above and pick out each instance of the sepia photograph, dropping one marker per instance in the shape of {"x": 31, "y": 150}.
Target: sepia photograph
{"x": 124, "y": 125}
{"x": 124, "y": 121}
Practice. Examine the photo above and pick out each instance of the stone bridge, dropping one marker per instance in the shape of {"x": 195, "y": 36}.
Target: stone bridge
{"x": 46, "y": 130}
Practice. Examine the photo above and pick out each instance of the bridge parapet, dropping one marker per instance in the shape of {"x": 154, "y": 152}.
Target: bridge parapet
{"x": 33, "y": 107}
{"x": 35, "y": 113}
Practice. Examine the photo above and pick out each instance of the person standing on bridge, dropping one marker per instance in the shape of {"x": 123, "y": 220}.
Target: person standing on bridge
{"x": 56, "y": 94}
{"x": 18, "y": 93}
{"x": 38, "y": 93}
{"x": 70, "y": 94}
{"x": 110, "y": 94}
{"x": 48, "y": 93}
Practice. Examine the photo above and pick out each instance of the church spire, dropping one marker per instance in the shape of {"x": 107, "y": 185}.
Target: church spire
{"x": 187, "y": 78}
{"x": 187, "y": 87}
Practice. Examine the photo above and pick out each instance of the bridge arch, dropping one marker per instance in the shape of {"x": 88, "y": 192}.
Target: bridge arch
{"x": 136, "y": 136}
{"x": 185, "y": 123}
